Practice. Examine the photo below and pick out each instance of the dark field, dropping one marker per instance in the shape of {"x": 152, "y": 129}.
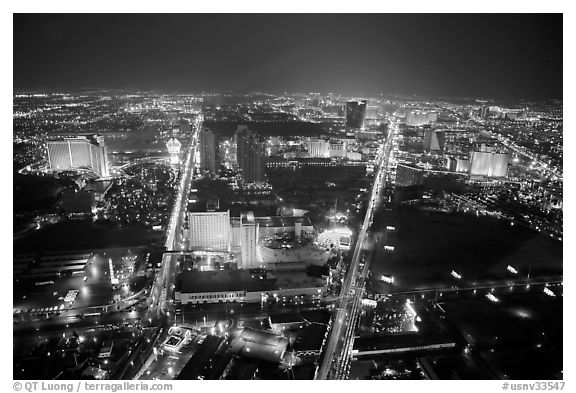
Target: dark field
{"x": 82, "y": 235}
{"x": 429, "y": 245}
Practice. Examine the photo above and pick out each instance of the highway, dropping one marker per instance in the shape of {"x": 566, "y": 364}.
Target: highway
{"x": 337, "y": 353}
{"x": 161, "y": 307}
{"x": 163, "y": 284}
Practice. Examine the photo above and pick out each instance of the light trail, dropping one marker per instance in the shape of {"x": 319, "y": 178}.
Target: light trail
{"x": 340, "y": 342}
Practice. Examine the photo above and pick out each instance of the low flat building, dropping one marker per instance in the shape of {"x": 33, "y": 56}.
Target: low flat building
{"x": 271, "y": 226}
{"x": 298, "y": 282}
{"x": 260, "y": 345}
{"x": 99, "y": 189}
{"x": 200, "y": 364}
{"x": 222, "y": 286}
{"x": 274, "y": 225}
{"x": 241, "y": 286}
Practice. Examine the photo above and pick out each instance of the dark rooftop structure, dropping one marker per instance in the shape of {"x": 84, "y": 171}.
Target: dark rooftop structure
{"x": 194, "y": 281}
{"x": 200, "y": 363}
{"x": 310, "y": 326}
{"x": 80, "y": 202}
{"x": 240, "y": 369}
{"x": 311, "y": 339}
{"x": 280, "y": 221}
{"x": 260, "y": 345}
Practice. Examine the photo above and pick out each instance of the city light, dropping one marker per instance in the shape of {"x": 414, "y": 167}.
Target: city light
{"x": 205, "y": 233}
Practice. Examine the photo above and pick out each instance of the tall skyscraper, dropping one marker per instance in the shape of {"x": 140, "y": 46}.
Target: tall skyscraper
{"x": 209, "y": 231}
{"x": 434, "y": 140}
{"x": 355, "y": 114}
{"x": 248, "y": 241}
{"x": 207, "y": 150}
{"x": 250, "y": 155}
{"x": 81, "y": 152}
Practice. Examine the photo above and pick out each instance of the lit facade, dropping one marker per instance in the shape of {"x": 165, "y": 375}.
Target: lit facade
{"x": 209, "y": 231}
{"x": 318, "y": 148}
{"x": 248, "y": 241}
{"x": 81, "y": 152}
{"x": 416, "y": 118}
{"x": 174, "y": 146}
{"x": 488, "y": 164}
{"x": 338, "y": 149}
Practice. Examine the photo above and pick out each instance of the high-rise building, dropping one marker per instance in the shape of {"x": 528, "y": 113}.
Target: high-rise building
{"x": 209, "y": 231}
{"x": 81, "y": 152}
{"x": 250, "y": 155}
{"x": 207, "y": 150}
{"x": 499, "y": 165}
{"x": 407, "y": 176}
{"x": 434, "y": 140}
{"x": 318, "y": 148}
{"x": 248, "y": 241}
{"x": 355, "y": 114}
{"x": 489, "y": 164}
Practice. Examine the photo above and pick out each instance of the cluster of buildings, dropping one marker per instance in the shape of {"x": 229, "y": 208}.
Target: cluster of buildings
{"x": 500, "y": 113}
{"x": 320, "y": 148}
{"x": 482, "y": 163}
{"x": 250, "y": 153}
{"x": 248, "y": 286}
{"x": 217, "y": 231}
{"x": 417, "y": 118}
{"x": 293, "y": 343}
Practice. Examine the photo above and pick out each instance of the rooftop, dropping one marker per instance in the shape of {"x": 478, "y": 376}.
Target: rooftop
{"x": 259, "y": 344}
{"x": 297, "y": 279}
{"x": 194, "y": 281}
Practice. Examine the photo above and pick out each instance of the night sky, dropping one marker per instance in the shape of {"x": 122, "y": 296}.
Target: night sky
{"x": 482, "y": 55}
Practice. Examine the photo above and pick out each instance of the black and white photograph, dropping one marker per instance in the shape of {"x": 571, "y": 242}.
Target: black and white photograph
{"x": 268, "y": 195}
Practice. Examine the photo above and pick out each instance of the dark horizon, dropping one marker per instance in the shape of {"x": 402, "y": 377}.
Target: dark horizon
{"x": 501, "y": 56}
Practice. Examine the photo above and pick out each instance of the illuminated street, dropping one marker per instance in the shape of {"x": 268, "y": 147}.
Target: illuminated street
{"x": 287, "y": 196}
